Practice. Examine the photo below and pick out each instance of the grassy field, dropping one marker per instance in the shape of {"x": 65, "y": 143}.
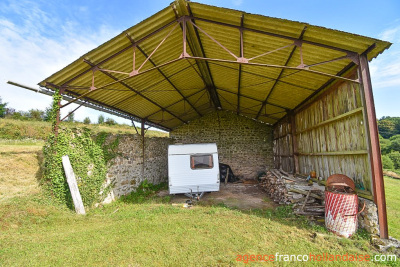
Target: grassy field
{"x": 34, "y": 232}
{"x": 16, "y": 129}
{"x": 392, "y": 187}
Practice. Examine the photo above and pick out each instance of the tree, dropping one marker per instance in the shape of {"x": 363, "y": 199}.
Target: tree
{"x": 110, "y": 121}
{"x": 100, "y": 120}
{"x": 36, "y": 114}
{"x": 385, "y": 145}
{"x": 86, "y": 120}
{"x": 395, "y": 143}
{"x": 71, "y": 117}
{"x": 395, "y": 157}
{"x": 2, "y": 108}
{"x": 47, "y": 113}
{"x": 386, "y": 127}
{"x": 387, "y": 162}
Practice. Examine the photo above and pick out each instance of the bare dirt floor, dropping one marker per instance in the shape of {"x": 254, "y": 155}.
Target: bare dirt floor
{"x": 240, "y": 196}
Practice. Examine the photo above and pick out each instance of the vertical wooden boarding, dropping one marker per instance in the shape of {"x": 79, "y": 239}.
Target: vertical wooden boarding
{"x": 283, "y": 148}
{"x": 73, "y": 186}
{"x": 331, "y": 136}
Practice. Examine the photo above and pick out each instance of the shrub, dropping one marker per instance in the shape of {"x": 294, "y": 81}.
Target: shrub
{"x": 387, "y": 162}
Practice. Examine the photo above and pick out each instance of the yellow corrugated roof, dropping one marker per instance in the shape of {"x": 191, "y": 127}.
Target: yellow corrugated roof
{"x": 170, "y": 91}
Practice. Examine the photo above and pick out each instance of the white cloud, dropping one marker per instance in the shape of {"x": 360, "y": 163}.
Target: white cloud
{"x": 385, "y": 69}
{"x": 391, "y": 34}
{"x": 33, "y": 46}
{"x": 237, "y": 2}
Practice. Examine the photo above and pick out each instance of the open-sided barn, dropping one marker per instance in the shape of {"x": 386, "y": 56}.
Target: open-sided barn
{"x": 270, "y": 92}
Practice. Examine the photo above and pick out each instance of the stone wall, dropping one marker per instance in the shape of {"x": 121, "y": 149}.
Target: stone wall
{"x": 368, "y": 219}
{"x": 243, "y": 143}
{"x": 126, "y": 171}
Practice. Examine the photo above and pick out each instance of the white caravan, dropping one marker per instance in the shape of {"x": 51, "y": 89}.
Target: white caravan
{"x": 193, "y": 169}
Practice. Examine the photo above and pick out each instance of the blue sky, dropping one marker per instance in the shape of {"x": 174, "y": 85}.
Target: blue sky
{"x": 39, "y": 37}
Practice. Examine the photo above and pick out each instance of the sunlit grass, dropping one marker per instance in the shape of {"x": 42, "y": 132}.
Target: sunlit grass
{"x": 392, "y": 187}
{"x": 145, "y": 230}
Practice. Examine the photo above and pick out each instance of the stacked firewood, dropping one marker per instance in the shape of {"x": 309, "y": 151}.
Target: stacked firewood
{"x": 275, "y": 187}
{"x": 307, "y": 197}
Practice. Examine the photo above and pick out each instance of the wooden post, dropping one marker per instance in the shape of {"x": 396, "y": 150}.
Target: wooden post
{"x": 73, "y": 187}
{"x": 375, "y": 152}
{"x": 294, "y": 143}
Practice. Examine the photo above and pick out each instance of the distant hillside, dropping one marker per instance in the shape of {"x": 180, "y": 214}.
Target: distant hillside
{"x": 17, "y": 129}
{"x": 389, "y": 126}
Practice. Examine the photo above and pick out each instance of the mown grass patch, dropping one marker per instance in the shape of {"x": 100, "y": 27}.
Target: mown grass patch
{"x": 392, "y": 187}
{"x": 145, "y": 230}
{"x": 155, "y": 234}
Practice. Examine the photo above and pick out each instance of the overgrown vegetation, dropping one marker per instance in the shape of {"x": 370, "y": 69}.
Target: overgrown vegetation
{"x": 87, "y": 161}
{"x": 389, "y": 138}
{"x": 110, "y": 148}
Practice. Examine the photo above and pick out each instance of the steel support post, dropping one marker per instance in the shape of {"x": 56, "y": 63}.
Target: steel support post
{"x": 375, "y": 152}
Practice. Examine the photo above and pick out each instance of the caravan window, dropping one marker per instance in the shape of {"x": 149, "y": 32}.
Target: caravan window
{"x": 201, "y": 161}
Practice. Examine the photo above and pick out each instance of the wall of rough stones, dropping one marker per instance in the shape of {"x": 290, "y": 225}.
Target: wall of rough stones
{"x": 368, "y": 219}
{"x": 243, "y": 143}
{"x": 126, "y": 171}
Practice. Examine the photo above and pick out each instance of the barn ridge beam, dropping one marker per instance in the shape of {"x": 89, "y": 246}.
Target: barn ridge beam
{"x": 183, "y": 9}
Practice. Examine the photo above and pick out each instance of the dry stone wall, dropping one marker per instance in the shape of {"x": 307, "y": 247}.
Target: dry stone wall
{"x": 126, "y": 171}
{"x": 243, "y": 143}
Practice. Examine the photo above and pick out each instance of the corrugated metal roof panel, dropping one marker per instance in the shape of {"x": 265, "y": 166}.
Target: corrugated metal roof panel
{"x": 163, "y": 87}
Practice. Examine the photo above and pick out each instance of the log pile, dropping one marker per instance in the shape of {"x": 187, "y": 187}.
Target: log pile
{"x": 285, "y": 188}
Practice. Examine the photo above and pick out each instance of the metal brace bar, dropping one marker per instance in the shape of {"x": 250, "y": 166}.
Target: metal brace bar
{"x": 327, "y": 61}
{"x": 121, "y": 51}
{"x": 120, "y": 80}
{"x": 270, "y": 52}
{"x": 218, "y": 43}
{"x": 73, "y": 111}
{"x": 279, "y": 67}
{"x": 157, "y": 47}
{"x": 273, "y": 34}
{"x": 133, "y": 123}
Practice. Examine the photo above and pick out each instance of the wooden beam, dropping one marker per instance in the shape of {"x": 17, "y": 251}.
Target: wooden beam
{"x": 335, "y": 153}
{"x": 340, "y": 117}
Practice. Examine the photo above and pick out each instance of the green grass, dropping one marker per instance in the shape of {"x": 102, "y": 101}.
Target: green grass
{"x": 34, "y": 233}
{"x": 392, "y": 187}
{"x": 145, "y": 230}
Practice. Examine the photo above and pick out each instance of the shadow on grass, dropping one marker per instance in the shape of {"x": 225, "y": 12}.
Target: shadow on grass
{"x": 40, "y": 172}
{"x": 283, "y": 214}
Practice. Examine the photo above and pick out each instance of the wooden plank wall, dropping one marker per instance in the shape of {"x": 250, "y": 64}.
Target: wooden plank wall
{"x": 331, "y": 136}
{"x": 283, "y": 147}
